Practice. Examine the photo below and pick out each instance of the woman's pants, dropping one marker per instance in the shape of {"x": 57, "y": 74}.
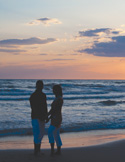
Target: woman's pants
{"x": 38, "y": 130}
{"x": 54, "y": 135}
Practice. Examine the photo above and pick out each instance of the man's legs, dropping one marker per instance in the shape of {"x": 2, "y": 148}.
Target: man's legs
{"x": 38, "y": 133}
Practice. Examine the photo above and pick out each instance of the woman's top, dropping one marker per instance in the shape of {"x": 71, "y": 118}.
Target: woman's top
{"x": 55, "y": 112}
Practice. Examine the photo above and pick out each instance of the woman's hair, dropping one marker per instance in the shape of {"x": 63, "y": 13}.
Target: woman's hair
{"x": 57, "y": 90}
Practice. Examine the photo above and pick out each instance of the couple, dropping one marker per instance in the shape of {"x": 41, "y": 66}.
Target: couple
{"x": 40, "y": 116}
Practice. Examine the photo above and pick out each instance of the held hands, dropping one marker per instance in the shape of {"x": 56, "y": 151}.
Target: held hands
{"x": 47, "y": 120}
{"x": 48, "y": 117}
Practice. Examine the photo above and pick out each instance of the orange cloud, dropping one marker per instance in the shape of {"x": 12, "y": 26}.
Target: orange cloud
{"x": 45, "y": 21}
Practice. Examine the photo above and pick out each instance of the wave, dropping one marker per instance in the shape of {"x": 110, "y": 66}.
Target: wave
{"x": 15, "y": 94}
{"x": 65, "y": 98}
{"x": 73, "y": 88}
{"x": 24, "y": 92}
{"x": 13, "y": 90}
{"x": 93, "y": 126}
{"x": 16, "y": 132}
{"x": 90, "y": 85}
{"x": 111, "y": 102}
{"x": 68, "y": 128}
{"x": 120, "y": 82}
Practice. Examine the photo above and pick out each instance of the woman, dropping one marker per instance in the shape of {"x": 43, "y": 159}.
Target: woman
{"x": 56, "y": 119}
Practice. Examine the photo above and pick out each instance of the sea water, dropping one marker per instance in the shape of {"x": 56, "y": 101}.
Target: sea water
{"x": 88, "y": 105}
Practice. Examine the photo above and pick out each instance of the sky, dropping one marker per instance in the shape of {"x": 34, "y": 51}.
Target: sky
{"x": 55, "y": 39}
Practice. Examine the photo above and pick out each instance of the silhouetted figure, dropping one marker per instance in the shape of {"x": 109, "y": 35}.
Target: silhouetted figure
{"x": 56, "y": 119}
{"x": 38, "y": 115}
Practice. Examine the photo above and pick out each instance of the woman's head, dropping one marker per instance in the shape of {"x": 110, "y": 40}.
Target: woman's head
{"x": 57, "y": 90}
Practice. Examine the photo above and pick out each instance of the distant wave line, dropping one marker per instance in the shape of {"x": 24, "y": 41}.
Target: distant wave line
{"x": 66, "y": 98}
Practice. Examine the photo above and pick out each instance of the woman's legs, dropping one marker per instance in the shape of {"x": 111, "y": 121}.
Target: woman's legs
{"x": 57, "y": 137}
{"x": 51, "y": 138}
{"x": 58, "y": 140}
{"x": 50, "y": 134}
{"x": 54, "y": 135}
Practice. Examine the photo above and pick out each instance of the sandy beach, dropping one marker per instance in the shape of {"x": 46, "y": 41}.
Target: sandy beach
{"x": 111, "y": 152}
{"x": 93, "y": 146}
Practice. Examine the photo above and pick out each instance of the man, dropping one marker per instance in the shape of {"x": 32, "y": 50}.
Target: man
{"x": 38, "y": 115}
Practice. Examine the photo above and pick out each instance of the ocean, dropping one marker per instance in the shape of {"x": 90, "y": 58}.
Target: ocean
{"x": 88, "y": 105}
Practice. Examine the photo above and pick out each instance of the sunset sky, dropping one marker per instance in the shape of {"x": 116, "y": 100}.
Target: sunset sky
{"x": 62, "y": 39}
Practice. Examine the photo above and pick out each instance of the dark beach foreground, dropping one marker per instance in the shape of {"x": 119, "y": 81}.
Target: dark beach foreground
{"x": 92, "y": 146}
{"x": 110, "y": 152}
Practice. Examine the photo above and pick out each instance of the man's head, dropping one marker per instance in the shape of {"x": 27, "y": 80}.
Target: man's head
{"x": 39, "y": 85}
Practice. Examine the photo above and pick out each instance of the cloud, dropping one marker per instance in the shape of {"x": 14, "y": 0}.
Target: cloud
{"x": 30, "y": 41}
{"x": 115, "y": 32}
{"x": 123, "y": 25}
{"x": 96, "y": 32}
{"x": 11, "y": 50}
{"x": 114, "y": 48}
{"x": 45, "y": 21}
{"x": 73, "y": 54}
{"x": 43, "y": 54}
{"x": 60, "y": 59}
